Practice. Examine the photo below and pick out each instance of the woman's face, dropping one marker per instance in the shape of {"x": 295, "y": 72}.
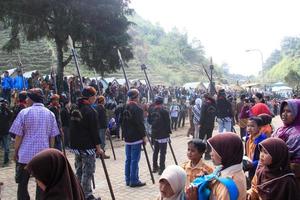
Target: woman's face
{"x": 165, "y": 189}
{"x": 264, "y": 157}
{"x": 193, "y": 153}
{"x": 216, "y": 159}
{"x": 287, "y": 116}
{"x": 252, "y": 127}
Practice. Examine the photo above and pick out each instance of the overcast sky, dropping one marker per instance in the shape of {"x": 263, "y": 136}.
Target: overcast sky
{"x": 227, "y": 28}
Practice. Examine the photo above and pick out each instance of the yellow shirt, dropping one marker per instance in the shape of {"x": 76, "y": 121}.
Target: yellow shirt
{"x": 193, "y": 172}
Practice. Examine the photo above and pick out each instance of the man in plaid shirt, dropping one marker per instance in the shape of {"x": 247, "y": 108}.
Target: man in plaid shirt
{"x": 35, "y": 128}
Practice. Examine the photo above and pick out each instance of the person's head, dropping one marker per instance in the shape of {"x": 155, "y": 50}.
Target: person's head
{"x": 54, "y": 175}
{"x": 290, "y": 112}
{"x": 222, "y": 93}
{"x": 196, "y": 148}
{"x": 133, "y": 95}
{"x": 260, "y": 108}
{"x": 198, "y": 101}
{"x": 35, "y": 95}
{"x": 273, "y": 153}
{"x": 224, "y": 146}
{"x": 258, "y": 97}
{"x": 242, "y": 97}
{"x": 6, "y": 73}
{"x": 253, "y": 125}
{"x": 172, "y": 182}
{"x": 266, "y": 119}
{"x": 54, "y": 98}
{"x": 101, "y": 100}
{"x": 158, "y": 100}
{"x": 144, "y": 100}
{"x": 22, "y": 96}
{"x": 89, "y": 93}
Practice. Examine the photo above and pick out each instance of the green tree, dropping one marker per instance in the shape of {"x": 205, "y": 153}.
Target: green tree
{"x": 97, "y": 27}
{"x": 293, "y": 79}
{"x": 274, "y": 58}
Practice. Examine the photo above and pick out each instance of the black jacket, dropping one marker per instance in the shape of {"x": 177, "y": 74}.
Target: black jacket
{"x": 102, "y": 119}
{"x": 224, "y": 108}
{"x": 133, "y": 123}
{"x": 159, "y": 119}
{"x": 208, "y": 114}
{"x": 84, "y": 127}
{"x": 5, "y": 120}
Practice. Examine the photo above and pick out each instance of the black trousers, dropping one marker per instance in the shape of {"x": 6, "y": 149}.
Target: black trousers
{"x": 22, "y": 177}
{"x": 181, "y": 118}
{"x": 174, "y": 122}
{"x": 162, "y": 148}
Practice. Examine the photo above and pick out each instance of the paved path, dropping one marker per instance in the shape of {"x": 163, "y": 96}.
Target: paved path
{"x": 116, "y": 172}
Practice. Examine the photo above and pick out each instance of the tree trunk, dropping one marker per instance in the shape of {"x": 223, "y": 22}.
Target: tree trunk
{"x": 60, "y": 66}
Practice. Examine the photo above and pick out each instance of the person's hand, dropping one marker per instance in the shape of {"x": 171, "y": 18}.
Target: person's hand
{"x": 144, "y": 140}
{"x": 192, "y": 193}
{"x": 248, "y": 196}
{"x": 99, "y": 152}
{"x": 107, "y": 132}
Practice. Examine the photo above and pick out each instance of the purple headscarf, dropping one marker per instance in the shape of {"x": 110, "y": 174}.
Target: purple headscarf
{"x": 290, "y": 133}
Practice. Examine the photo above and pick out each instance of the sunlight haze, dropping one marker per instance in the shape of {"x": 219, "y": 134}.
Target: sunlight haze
{"x": 227, "y": 28}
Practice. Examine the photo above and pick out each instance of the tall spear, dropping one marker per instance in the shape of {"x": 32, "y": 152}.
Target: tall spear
{"x": 75, "y": 59}
{"x": 21, "y": 65}
{"x": 123, "y": 69}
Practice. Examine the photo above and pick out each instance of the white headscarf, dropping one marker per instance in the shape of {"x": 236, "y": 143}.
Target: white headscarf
{"x": 176, "y": 177}
{"x": 198, "y": 101}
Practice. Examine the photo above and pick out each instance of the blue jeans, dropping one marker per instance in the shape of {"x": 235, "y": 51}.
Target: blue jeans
{"x": 5, "y": 141}
{"x": 102, "y": 138}
{"x": 133, "y": 155}
{"x": 224, "y": 123}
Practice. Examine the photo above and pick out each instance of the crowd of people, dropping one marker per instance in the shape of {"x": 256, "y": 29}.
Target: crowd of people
{"x": 250, "y": 163}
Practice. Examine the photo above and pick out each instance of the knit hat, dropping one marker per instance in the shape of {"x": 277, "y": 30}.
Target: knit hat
{"x": 36, "y": 95}
{"x": 101, "y": 99}
{"x": 133, "y": 93}
{"x": 22, "y": 96}
{"x": 88, "y": 91}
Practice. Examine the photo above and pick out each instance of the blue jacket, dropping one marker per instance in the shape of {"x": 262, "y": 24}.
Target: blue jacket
{"x": 19, "y": 84}
{"x": 255, "y": 160}
{"x": 7, "y": 83}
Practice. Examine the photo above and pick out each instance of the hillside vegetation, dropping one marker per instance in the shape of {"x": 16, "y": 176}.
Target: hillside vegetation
{"x": 170, "y": 56}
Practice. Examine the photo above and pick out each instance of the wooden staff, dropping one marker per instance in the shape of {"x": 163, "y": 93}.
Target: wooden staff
{"x": 111, "y": 144}
{"x": 123, "y": 69}
{"x": 76, "y": 60}
{"x": 172, "y": 151}
{"x": 107, "y": 178}
{"x": 148, "y": 163}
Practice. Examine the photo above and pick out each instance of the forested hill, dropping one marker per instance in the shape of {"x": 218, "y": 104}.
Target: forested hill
{"x": 284, "y": 64}
{"x": 170, "y": 56}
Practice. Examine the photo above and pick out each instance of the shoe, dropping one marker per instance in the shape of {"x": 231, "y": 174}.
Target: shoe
{"x": 139, "y": 184}
{"x": 92, "y": 197}
{"x": 106, "y": 157}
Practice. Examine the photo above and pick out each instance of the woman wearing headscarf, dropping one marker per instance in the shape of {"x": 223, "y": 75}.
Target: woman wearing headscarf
{"x": 274, "y": 179}
{"x": 172, "y": 183}
{"x": 196, "y": 116}
{"x": 227, "y": 152}
{"x": 54, "y": 176}
{"x": 290, "y": 132}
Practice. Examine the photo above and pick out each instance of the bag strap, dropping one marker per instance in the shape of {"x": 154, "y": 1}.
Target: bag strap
{"x": 231, "y": 187}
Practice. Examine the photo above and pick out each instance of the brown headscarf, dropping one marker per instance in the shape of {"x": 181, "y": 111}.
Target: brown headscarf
{"x": 52, "y": 168}
{"x": 230, "y": 148}
{"x": 276, "y": 181}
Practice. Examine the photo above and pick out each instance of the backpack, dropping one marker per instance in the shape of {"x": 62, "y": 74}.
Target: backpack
{"x": 204, "y": 191}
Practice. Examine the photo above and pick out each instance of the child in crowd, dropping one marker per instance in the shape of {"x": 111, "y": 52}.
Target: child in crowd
{"x": 171, "y": 184}
{"x": 254, "y": 137}
{"x": 266, "y": 127}
{"x": 290, "y": 132}
{"x": 195, "y": 167}
{"x": 227, "y": 154}
{"x": 274, "y": 179}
